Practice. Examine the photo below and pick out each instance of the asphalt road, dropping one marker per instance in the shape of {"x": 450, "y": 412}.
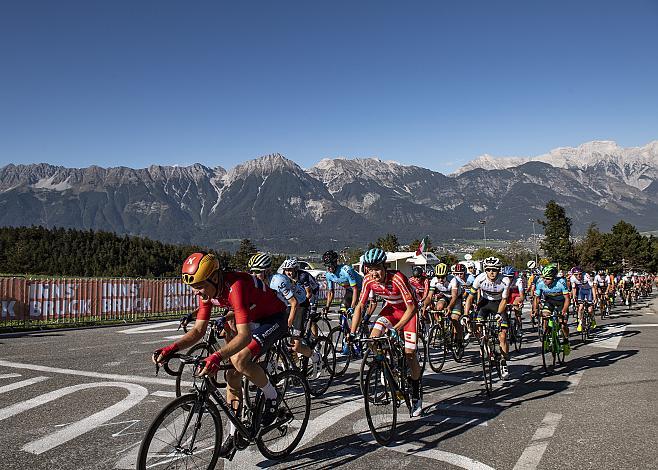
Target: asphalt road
{"x": 82, "y": 399}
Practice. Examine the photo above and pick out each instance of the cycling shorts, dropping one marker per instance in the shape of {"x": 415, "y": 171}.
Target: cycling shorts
{"x": 551, "y": 305}
{"x": 265, "y": 332}
{"x": 389, "y": 317}
{"x": 513, "y": 296}
{"x": 486, "y": 307}
{"x": 585, "y": 296}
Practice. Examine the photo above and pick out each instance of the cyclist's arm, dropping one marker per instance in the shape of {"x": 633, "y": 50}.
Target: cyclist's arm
{"x": 356, "y": 317}
{"x": 469, "y": 302}
{"x": 567, "y": 301}
{"x": 355, "y": 295}
{"x": 362, "y": 299}
{"x": 293, "y": 310}
{"x": 309, "y": 292}
{"x": 330, "y": 297}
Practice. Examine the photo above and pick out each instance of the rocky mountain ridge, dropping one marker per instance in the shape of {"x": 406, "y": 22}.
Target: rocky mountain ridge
{"x": 338, "y": 202}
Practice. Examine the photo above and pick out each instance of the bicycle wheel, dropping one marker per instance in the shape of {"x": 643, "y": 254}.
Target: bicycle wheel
{"x": 343, "y": 350}
{"x": 320, "y": 380}
{"x": 486, "y": 370}
{"x": 185, "y": 373}
{"x": 367, "y": 360}
{"x": 323, "y": 327}
{"x": 559, "y": 352}
{"x": 457, "y": 346}
{"x": 546, "y": 348}
{"x": 280, "y": 439}
{"x": 380, "y": 403}
{"x": 186, "y": 433}
{"x": 436, "y": 350}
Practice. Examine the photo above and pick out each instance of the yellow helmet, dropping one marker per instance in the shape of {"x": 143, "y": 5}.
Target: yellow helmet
{"x": 441, "y": 270}
{"x": 198, "y": 267}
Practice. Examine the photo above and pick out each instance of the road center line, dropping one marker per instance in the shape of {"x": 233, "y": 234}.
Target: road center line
{"x": 533, "y": 453}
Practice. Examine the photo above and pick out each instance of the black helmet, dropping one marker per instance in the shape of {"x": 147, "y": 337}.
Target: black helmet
{"x": 330, "y": 258}
{"x": 417, "y": 271}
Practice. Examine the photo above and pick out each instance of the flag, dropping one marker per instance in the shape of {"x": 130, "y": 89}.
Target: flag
{"x": 422, "y": 247}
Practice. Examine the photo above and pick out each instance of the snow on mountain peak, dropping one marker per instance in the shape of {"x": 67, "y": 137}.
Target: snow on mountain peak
{"x": 635, "y": 163}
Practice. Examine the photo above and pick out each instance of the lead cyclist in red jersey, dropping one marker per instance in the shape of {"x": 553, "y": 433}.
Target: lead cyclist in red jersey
{"x": 260, "y": 320}
{"x": 399, "y": 312}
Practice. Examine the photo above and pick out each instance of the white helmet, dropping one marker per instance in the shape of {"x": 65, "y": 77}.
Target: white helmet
{"x": 531, "y": 264}
{"x": 492, "y": 262}
{"x": 470, "y": 264}
{"x": 290, "y": 264}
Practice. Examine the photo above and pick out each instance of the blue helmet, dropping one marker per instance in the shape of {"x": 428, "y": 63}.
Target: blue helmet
{"x": 509, "y": 271}
{"x": 374, "y": 256}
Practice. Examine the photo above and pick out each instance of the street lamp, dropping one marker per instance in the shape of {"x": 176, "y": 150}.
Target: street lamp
{"x": 534, "y": 237}
{"x": 484, "y": 227}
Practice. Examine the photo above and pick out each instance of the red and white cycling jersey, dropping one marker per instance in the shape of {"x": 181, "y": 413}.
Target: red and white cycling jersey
{"x": 420, "y": 285}
{"x": 395, "y": 290}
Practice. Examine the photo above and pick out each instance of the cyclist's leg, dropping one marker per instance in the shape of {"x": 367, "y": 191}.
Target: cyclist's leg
{"x": 296, "y": 330}
{"x": 502, "y": 335}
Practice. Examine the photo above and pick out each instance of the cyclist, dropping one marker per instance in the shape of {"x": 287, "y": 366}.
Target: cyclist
{"x": 456, "y": 304}
{"x": 260, "y": 321}
{"x": 399, "y": 313}
{"x": 293, "y": 295}
{"x": 440, "y": 291}
{"x": 304, "y": 279}
{"x": 344, "y": 275}
{"x": 516, "y": 293}
{"x": 470, "y": 273}
{"x": 601, "y": 286}
{"x": 491, "y": 290}
{"x": 556, "y": 296}
{"x": 420, "y": 283}
{"x": 582, "y": 290}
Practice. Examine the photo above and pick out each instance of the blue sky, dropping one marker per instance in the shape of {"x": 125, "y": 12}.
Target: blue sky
{"x": 434, "y": 84}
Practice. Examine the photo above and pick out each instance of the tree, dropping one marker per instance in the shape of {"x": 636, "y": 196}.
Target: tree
{"x": 625, "y": 247}
{"x": 557, "y": 232}
{"x": 388, "y": 243}
{"x": 589, "y": 252}
{"x": 246, "y": 250}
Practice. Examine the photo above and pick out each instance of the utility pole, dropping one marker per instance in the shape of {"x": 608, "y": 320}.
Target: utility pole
{"x": 534, "y": 237}
{"x": 484, "y": 227}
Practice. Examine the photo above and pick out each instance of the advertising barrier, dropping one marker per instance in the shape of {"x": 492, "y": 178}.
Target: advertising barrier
{"x": 28, "y": 302}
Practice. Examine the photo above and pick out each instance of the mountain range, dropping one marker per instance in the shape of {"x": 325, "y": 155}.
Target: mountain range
{"x": 338, "y": 202}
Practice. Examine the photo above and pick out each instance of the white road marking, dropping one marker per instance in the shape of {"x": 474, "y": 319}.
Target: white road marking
{"x": 642, "y": 324}
{"x": 574, "y": 380}
{"x": 95, "y": 375}
{"x": 136, "y": 393}
{"x": 531, "y": 456}
{"x": 162, "y": 393}
{"x": 610, "y": 337}
{"x": 157, "y": 328}
{"x": 533, "y": 453}
{"x": 22, "y": 383}
{"x": 408, "y": 449}
{"x": 174, "y": 337}
{"x": 9, "y": 376}
{"x": 547, "y": 427}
